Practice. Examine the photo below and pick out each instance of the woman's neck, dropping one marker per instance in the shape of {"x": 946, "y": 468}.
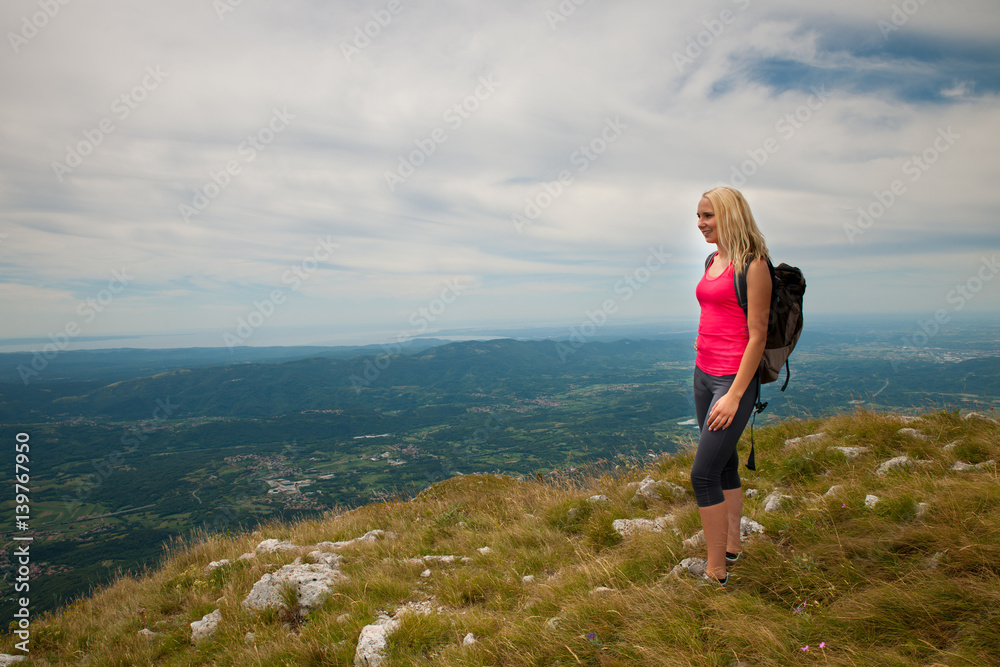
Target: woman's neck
{"x": 723, "y": 255}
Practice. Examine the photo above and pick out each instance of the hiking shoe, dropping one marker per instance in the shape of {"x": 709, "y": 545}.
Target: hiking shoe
{"x": 712, "y": 580}
{"x": 732, "y": 558}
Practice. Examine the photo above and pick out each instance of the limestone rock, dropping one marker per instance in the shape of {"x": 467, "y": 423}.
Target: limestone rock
{"x": 370, "y": 536}
{"x": 469, "y": 640}
{"x": 447, "y": 560}
{"x": 325, "y": 558}
{"x": 312, "y": 582}
{"x": 216, "y": 564}
{"x": 851, "y": 452}
{"x": 751, "y": 493}
{"x": 601, "y": 589}
{"x": 951, "y": 445}
{"x": 7, "y": 659}
{"x": 146, "y": 633}
{"x": 894, "y": 464}
{"x": 553, "y": 623}
{"x": 629, "y": 527}
{"x": 774, "y": 501}
{"x": 695, "y": 566}
{"x": 373, "y": 639}
{"x": 922, "y": 509}
{"x": 913, "y": 433}
{"x": 485, "y": 550}
{"x": 528, "y": 579}
{"x": 833, "y": 490}
{"x": 598, "y": 499}
{"x": 272, "y": 545}
{"x": 907, "y": 419}
{"x": 749, "y": 527}
{"x": 247, "y": 556}
{"x": 871, "y": 501}
{"x": 649, "y": 490}
{"x": 696, "y": 541}
{"x": 206, "y": 627}
{"x": 249, "y": 638}
{"x": 979, "y": 415}
{"x": 962, "y": 466}
{"x": 804, "y": 440}
{"x": 425, "y": 574}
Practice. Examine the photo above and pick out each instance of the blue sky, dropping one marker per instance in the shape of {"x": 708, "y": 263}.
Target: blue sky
{"x": 471, "y": 164}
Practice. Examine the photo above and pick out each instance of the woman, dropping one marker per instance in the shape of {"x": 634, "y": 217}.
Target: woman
{"x": 729, "y": 347}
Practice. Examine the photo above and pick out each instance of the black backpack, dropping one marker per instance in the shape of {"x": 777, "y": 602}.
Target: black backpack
{"x": 784, "y": 326}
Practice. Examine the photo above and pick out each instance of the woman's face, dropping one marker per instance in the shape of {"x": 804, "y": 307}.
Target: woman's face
{"x": 706, "y": 221}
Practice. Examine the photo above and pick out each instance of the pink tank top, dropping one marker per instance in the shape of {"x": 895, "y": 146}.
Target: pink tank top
{"x": 722, "y": 330}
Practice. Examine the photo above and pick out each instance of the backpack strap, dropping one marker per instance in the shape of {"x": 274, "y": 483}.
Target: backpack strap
{"x": 751, "y": 463}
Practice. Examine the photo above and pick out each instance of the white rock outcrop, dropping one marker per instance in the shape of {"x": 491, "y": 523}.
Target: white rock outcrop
{"x": 750, "y": 527}
{"x": 774, "y": 500}
{"x": 206, "y": 627}
{"x": 804, "y": 440}
{"x": 833, "y": 490}
{"x": 629, "y": 527}
{"x": 696, "y": 541}
{"x": 871, "y": 501}
{"x": 851, "y": 452}
{"x": 216, "y": 564}
{"x": 650, "y": 490}
{"x": 373, "y": 638}
{"x": 962, "y": 466}
{"x": 311, "y": 581}
{"x": 370, "y": 536}
{"x": 598, "y": 499}
{"x": 894, "y": 464}
{"x": 913, "y": 433}
{"x": 273, "y": 545}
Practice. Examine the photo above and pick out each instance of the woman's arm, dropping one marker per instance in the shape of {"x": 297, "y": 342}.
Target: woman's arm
{"x": 758, "y": 311}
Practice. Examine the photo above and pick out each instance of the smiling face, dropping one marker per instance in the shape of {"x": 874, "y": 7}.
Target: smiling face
{"x": 706, "y": 221}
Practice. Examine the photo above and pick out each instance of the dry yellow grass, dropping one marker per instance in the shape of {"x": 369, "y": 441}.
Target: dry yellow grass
{"x": 897, "y": 584}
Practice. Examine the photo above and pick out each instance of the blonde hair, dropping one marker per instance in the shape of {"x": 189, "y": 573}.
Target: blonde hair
{"x": 736, "y": 228}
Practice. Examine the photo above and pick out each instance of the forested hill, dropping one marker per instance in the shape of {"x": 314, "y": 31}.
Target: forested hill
{"x": 438, "y": 374}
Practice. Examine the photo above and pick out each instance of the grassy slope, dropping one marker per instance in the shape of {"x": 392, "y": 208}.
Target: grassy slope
{"x": 828, "y": 570}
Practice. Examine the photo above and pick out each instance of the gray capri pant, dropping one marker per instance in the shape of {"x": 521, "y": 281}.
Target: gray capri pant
{"x": 716, "y": 463}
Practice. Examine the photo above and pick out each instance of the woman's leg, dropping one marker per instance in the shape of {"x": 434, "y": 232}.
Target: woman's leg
{"x": 715, "y": 473}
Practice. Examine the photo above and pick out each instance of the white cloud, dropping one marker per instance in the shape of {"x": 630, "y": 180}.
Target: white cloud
{"x": 324, "y": 174}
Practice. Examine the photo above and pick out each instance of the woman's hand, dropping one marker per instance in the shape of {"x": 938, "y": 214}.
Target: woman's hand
{"x": 723, "y": 412}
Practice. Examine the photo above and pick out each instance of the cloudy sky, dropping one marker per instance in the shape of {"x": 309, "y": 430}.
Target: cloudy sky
{"x": 380, "y": 167}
